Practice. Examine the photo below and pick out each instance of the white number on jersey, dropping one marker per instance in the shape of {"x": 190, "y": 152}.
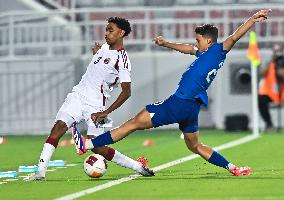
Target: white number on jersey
{"x": 212, "y": 72}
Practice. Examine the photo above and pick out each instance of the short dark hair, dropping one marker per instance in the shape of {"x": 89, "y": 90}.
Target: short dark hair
{"x": 208, "y": 30}
{"x": 121, "y": 23}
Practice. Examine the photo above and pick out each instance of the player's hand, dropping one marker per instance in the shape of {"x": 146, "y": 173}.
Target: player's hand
{"x": 159, "y": 40}
{"x": 261, "y": 15}
{"x": 98, "y": 116}
{"x": 96, "y": 47}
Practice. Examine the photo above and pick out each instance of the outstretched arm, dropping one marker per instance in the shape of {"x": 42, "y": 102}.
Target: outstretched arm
{"x": 183, "y": 48}
{"x": 232, "y": 39}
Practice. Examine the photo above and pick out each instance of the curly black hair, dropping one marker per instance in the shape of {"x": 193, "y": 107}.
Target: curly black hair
{"x": 208, "y": 30}
{"x": 121, "y": 23}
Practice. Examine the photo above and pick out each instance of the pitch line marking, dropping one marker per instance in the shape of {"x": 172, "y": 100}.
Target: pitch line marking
{"x": 10, "y": 179}
{"x": 160, "y": 167}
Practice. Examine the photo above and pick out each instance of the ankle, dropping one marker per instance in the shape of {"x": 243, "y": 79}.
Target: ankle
{"x": 230, "y": 166}
{"x": 41, "y": 173}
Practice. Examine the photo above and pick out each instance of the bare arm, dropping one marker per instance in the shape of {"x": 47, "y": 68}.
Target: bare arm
{"x": 232, "y": 39}
{"x": 123, "y": 96}
{"x": 183, "y": 48}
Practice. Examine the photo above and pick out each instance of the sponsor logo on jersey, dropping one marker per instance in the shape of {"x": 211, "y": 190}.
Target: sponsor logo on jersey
{"x": 106, "y": 61}
{"x": 98, "y": 60}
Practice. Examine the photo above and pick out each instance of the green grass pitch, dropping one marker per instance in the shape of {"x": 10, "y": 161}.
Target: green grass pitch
{"x": 195, "y": 179}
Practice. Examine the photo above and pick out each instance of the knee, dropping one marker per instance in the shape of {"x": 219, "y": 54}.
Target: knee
{"x": 58, "y": 130}
{"x": 99, "y": 150}
{"x": 106, "y": 152}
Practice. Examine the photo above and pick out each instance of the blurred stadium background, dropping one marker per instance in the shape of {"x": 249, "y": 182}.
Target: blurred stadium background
{"x": 45, "y": 46}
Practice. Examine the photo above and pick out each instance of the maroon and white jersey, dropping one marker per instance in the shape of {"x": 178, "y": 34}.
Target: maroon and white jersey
{"x": 107, "y": 69}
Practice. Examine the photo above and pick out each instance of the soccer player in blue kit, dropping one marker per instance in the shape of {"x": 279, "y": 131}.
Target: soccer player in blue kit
{"x": 183, "y": 106}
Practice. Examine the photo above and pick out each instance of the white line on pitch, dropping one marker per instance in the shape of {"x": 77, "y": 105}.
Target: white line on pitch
{"x": 10, "y": 179}
{"x": 160, "y": 167}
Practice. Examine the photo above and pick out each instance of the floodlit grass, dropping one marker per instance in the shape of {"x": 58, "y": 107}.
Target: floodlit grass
{"x": 195, "y": 179}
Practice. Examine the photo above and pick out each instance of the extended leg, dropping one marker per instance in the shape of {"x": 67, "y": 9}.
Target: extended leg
{"x": 141, "y": 121}
{"x": 213, "y": 157}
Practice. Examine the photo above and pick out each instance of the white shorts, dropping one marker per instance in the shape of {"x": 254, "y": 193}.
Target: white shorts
{"x": 77, "y": 108}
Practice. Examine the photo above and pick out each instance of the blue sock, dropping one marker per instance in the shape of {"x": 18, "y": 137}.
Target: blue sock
{"x": 102, "y": 140}
{"x": 218, "y": 159}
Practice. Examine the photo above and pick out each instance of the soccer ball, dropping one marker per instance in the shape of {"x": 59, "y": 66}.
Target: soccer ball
{"x": 95, "y": 166}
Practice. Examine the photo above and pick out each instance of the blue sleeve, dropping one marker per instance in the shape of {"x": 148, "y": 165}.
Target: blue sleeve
{"x": 222, "y": 50}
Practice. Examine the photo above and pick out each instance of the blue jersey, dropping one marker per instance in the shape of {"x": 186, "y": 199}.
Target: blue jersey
{"x": 200, "y": 74}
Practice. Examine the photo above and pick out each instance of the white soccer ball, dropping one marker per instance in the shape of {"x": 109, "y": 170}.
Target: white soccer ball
{"x": 95, "y": 166}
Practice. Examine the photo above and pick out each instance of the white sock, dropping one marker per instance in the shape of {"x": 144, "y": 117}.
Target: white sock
{"x": 230, "y": 166}
{"x": 45, "y": 156}
{"x": 124, "y": 161}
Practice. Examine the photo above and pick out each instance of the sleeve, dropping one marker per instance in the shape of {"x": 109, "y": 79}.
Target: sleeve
{"x": 222, "y": 49}
{"x": 124, "y": 68}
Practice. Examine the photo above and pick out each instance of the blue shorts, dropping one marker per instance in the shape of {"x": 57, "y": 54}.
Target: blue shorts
{"x": 176, "y": 110}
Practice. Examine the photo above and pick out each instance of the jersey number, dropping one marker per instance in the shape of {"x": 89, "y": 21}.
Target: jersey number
{"x": 209, "y": 77}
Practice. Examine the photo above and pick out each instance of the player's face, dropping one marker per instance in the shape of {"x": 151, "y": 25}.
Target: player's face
{"x": 113, "y": 34}
{"x": 202, "y": 42}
